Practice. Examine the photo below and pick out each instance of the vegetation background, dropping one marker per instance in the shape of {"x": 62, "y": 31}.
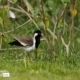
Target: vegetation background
{"x": 58, "y": 56}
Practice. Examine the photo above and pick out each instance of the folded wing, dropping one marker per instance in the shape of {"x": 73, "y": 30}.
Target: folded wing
{"x": 22, "y": 41}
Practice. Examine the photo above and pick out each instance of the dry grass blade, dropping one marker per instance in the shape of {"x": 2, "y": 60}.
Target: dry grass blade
{"x": 66, "y": 45}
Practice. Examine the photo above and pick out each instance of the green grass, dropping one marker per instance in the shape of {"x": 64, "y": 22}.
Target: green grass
{"x": 46, "y": 67}
{"x": 38, "y": 69}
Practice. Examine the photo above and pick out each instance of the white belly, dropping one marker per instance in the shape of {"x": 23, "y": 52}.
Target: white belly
{"x": 29, "y": 48}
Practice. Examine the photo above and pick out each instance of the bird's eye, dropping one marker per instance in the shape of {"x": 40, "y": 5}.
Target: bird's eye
{"x": 39, "y": 33}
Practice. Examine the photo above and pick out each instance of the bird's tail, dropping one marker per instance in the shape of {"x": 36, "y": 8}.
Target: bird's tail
{"x": 15, "y": 43}
{"x": 11, "y": 43}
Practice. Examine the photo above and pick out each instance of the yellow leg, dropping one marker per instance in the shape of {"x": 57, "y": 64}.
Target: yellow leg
{"x": 36, "y": 52}
{"x": 24, "y": 60}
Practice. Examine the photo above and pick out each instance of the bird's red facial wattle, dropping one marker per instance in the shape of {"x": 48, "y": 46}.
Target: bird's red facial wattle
{"x": 41, "y": 34}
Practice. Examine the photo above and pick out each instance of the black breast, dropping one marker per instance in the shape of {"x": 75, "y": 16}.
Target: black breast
{"x": 37, "y": 41}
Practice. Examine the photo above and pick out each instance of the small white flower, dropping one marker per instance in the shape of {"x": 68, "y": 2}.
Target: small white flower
{"x": 12, "y": 15}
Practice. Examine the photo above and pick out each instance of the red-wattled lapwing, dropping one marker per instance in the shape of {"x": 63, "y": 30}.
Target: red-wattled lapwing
{"x": 28, "y": 43}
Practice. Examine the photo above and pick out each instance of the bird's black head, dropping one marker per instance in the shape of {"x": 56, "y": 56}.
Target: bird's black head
{"x": 37, "y": 34}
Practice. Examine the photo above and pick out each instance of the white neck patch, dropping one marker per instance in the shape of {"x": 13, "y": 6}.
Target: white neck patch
{"x": 35, "y": 35}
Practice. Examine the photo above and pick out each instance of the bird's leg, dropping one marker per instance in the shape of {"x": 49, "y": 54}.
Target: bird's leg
{"x": 25, "y": 59}
{"x": 28, "y": 58}
{"x": 36, "y": 53}
{"x": 28, "y": 55}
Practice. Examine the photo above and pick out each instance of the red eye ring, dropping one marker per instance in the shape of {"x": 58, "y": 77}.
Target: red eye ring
{"x": 41, "y": 34}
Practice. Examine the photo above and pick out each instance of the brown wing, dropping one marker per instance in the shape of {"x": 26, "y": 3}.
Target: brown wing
{"x": 25, "y": 41}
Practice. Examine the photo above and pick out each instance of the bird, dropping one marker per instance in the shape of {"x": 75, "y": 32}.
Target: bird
{"x": 28, "y": 43}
